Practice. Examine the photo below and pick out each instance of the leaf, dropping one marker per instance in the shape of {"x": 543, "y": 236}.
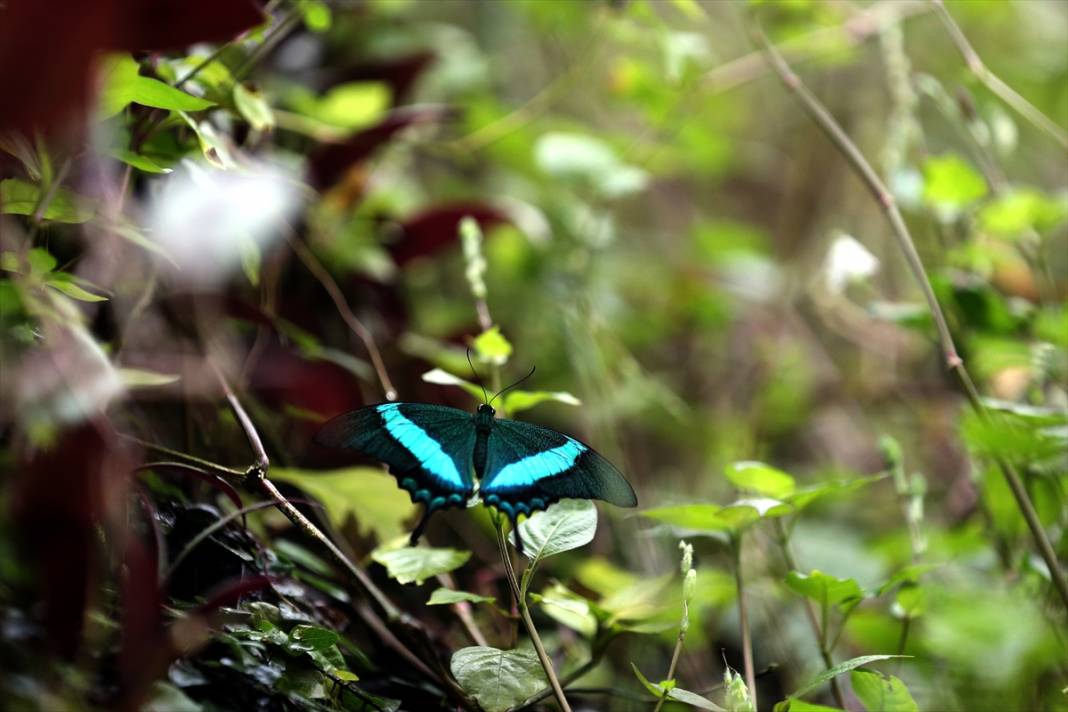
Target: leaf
{"x": 123, "y": 84}
{"x": 498, "y": 679}
{"x": 518, "y": 401}
{"x": 138, "y": 161}
{"x": 565, "y": 525}
{"x": 366, "y": 494}
{"x": 444, "y": 378}
{"x": 567, "y": 607}
{"x": 448, "y": 596}
{"x": 712, "y": 517}
{"x": 139, "y": 378}
{"x": 19, "y": 197}
{"x": 350, "y": 106}
{"x": 1013, "y": 214}
{"x": 760, "y": 478}
{"x": 492, "y": 347}
{"x": 839, "y": 669}
{"x": 310, "y": 637}
{"x": 792, "y": 705}
{"x": 253, "y": 107}
{"x": 415, "y": 564}
{"x": 667, "y": 688}
{"x": 65, "y": 283}
{"x": 950, "y": 183}
{"x": 168, "y": 698}
{"x": 824, "y": 589}
{"x": 881, "y": 693}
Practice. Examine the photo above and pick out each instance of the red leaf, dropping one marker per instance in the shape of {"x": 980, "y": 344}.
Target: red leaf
{"x": 435, "y": 228}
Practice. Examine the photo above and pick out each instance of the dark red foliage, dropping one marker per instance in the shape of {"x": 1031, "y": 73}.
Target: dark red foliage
{"x": 432, "y": 229}
{"x": 49, "y": 48}
{"x": 330, "y": 162}
{"x": 399, "y": 73}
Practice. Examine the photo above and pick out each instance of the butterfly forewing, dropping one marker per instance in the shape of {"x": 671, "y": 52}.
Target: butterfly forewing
{"x": 529, "y": 467}
{"x": 427, "y": 447}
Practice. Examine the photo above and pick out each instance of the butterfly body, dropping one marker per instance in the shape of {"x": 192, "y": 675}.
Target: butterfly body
{"x": 442, "y": 456}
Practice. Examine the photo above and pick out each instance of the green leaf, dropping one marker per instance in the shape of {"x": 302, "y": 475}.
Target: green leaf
{"x": 824, "y": 589}
{"x": 65, "y": 283}
{"x": 565, "y": 525}
{"x": 448, "y": 596}
{"x": 253, "y": 107}
{"x": 881, "y": 693}
{"x": 1013, "y": 214}
{"x": 139, "y": 378}
{"x": 498, "y": 679}
{"x": 760, "y": 478}
{"x": 123, "y": 85}
{"x": 310, "y": 637}
{"x": 950, "y": 183}
{"x": 567, "y": 607}
{"x": 518, "y": 401}
{"x": 20, "y": 197}
{"x": 492, "y": 347}
{"x": 316, "y": 15}
{"x": 839, "y": 669}
{"x": 351, "y": 106}
{"x": 712, "y": 517}
{"x": 368, "y": 495}
{"x": 415, "y": 564}
{"x": 138, "y": 161}
{"x": 168, "y": 698}
{"x": 677, "y": 694}
{"x": 791, "y": 705}
{"x": 444, "y": 378}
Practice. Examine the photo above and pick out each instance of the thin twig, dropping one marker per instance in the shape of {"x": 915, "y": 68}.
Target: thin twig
{"x": 810, "y": 613}
{"x": 311, "y": 262}
{"x": 463, "y": 612}
{"x": 855, "y": 158}
{"x": 524, "y": 611}
{"x": 994, "y": 83}
{"x": 743, "y": 620}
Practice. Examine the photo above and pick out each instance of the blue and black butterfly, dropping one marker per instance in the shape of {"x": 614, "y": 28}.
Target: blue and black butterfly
{"x": 436, "y": 453}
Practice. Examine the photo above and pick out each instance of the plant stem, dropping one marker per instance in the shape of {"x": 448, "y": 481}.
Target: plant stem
{"x": 855, "y": 158}
{"x": 994, "y": 83}
{"x": 810, "y": 613}
{"x": 671, "y": 668}
{"x": 743, "y": 620}
{"x": 528, "y": 622}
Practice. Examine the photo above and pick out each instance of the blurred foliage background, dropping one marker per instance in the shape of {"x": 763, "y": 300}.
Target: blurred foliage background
{"x": 272, "y": 197}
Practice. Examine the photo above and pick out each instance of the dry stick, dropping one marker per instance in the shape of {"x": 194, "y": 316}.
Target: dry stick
{"x": 810, "y": 612}
{"x": 258, "y": 472}
{"x": 994, "y": 83}
{"x": 743, "y": 621}
{"x": 852, "y": 154}
{"x": 462, "y": 609}
{"x": 313, "y": 265}
{"x": 528, "y": 622}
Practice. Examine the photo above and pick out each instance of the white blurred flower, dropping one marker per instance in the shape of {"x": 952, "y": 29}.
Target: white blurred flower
{"x": 848, "y": 261}
{"x": 206, "y": 219}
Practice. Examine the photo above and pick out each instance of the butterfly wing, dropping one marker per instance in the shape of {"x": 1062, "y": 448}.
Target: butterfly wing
{"x": 428, "y": 448}
{"x": 529, "y": 467}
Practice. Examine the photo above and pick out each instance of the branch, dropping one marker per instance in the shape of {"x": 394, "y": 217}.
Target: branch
{"x": 819, "y": 114}
{"x": 743, "y": 620}
{"x": 994, "y": 83}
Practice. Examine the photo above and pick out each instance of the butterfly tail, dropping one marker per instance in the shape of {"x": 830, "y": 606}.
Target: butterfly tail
{"x": 420, "y": 527}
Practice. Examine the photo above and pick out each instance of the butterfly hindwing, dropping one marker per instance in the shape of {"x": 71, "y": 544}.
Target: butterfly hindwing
{"x": 529, "y": 467}
{"x": 428, "y": 447}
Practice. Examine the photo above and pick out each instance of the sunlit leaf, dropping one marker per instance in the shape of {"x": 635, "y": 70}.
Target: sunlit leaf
{"x": 881, "y": 693}
{"x": 565, "y": 525}
{"x": 492, "y": 347}
{"x": 668, "y": 689}
{"x": 950, "y": 183}
{"x": 254, "y": 107}
{"x": 589, "y": 161}
{"x": 138, "y": 161}
{"x": 760, "y": 478}
{"x": 444, "y": 378}
{"x": 19, "y": 197}
{"x": 123, "y": 84}
{"x": 68, "y": 285}
{"x": 141, "y": 378}
{"x": 415, "y": 564}
{"x": 823, "y": 588}
{"x": 838, "y": 670}
{"x": 448, "y": 596}
{"x": 518, "y": 401}
{"x": 567, "y": 607}
{"x": 498, "y": 679}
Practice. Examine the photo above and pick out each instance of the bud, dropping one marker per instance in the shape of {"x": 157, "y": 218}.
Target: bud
{"x": 687, "y": 556}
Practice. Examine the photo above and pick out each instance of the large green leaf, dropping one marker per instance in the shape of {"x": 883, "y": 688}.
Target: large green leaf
{"x": 123, "y": 84}
{"x": 366, "y": 494}
{"x": 498, "y": 679}
{"x": 415, "y": 564}
{"x": 21, "y": 197}
{"x": 565, "y": 525}
{"x": 950, "y": 183}
{"x": 881, "y": 693}
{"x": 760, "y": 478}
{"x": 824, "y": 589}
{"x": 838, "y": 670}
{"x": 702, "y": 517}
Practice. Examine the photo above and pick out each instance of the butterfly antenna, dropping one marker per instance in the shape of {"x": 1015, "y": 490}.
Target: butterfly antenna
{"x": 502, "y": 392}
{"x": 478, "y": 379}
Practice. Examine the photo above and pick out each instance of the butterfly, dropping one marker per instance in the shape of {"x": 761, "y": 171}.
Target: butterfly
{"x": 518, "y": 468}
